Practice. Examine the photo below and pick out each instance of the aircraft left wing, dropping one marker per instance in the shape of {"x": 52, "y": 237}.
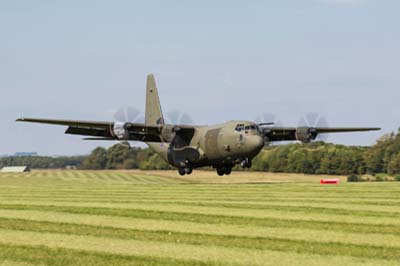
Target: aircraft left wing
{"x": 306, "y": 134}
{"x": 105, "y": 130}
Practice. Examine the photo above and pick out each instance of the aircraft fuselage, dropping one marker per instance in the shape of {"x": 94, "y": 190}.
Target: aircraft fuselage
{"x": 222, "y": 145}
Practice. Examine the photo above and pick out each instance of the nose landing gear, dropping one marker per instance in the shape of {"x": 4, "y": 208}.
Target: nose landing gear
{"x": 246, "y": 163}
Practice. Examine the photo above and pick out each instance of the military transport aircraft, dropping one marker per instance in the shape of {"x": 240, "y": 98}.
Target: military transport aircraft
{"x": 187, "y": 147}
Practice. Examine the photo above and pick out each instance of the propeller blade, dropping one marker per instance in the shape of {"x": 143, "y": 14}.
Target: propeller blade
{"x": 267, "y": 119}
{"x": 132, "y": 114}
{"x": 173, "y": 117}
{"x": 120, "y": 115}
{"x": 302, "y": 123}
{"x": 322, "y": 122}
{"x": 266, "y": 124}
{"x": 186, "y": 119}
{"x": 312, "y": 119}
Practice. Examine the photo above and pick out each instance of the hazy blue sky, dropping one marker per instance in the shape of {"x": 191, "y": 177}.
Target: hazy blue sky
{"x": 216, "y": 60}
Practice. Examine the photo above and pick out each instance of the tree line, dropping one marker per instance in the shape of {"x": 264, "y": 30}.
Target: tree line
{"x": 43, "y": 162}
{"x": 311, "y": 158}
{"x": 326, "y": 158}
{"x": 123, "y": 157}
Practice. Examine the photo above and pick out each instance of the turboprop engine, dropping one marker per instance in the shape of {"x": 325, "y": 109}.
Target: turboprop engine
{"x": 306, "y": 134}
{"x": 168, "y": 133}
{"x": 120, "y": 130}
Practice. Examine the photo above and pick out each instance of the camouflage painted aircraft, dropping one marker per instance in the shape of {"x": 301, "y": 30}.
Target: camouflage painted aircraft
{"x": 187, "y": 147}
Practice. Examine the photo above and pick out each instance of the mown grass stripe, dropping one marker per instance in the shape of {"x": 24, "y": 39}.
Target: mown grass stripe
{"x": 15, "y": 263}
{"x": 262, "y": 201}
{"x": 285, "y": 213}
{"x": 216, "y": 219}
{"x": 262, "y": 243}
{"x": 327, "y": 209}
{"x": 320, "y": 208}
{"x": 192, "y": 194}
{"x": 186, "y": 195}
{"x": 145, "y": 180}
{"x": 113, "y": 178}
{"x": 268, "y": 188}
{"x": 199, "y": 228}
{"x": 262, "y": 190}
{"x": 179, "y": 251}
{"x": 128, "y": 179}
{"x": 65, "y": 257}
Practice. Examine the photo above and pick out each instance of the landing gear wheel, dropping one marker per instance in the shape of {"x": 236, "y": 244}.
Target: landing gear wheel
{"x": 181, "y": 171}
{"x": 249, "y": 163}
{"x": 220, "y": 171}
{"x": 188, "y": 170}
{"x": 228, "y": 170}
{"x": 246, "y": 163}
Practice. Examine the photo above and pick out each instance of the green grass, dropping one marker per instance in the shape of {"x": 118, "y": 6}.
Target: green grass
{"x": 159, "y": 218}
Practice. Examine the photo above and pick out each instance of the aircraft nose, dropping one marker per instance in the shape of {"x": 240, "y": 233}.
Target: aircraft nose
{"x": 256, "y": 142}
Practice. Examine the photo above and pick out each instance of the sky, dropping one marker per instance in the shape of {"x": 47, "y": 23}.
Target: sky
{"x": 214, "y": 60}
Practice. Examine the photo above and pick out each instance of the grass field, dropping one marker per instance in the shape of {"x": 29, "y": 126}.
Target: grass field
{"x": 160, "y": 218}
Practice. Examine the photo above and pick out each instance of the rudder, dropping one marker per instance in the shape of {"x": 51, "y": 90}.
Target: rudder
{"x": 153, "y": 116}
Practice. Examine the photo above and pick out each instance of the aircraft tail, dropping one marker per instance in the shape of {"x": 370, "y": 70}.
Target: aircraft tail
{"x": 153, "y": 116}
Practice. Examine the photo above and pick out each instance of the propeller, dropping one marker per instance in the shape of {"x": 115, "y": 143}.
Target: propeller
{"x": 176, "y": 117}
{"x": 128, "y": 114}
{"x": 313, "y": 120}
{"x": 267, "y": 119}
{"x": 123, "y": 116}
{"x": 264, "y": 122}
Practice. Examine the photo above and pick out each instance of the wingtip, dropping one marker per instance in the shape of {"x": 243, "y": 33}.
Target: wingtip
{"x": 20, "y": 119}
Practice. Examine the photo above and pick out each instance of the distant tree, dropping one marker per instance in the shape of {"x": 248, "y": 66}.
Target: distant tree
{"x": 96, "y": 160}
{"x": 155, "y": 162}
{"x": 42, "y": 162}
{"x": 354, "y": 178}
{"x": 375, "y": 157}
{"x": 394, "y": 165}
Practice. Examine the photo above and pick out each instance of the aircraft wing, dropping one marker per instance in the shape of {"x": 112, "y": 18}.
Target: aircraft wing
{"x": 306, "y": 134}
{"x": 104, "y": 130}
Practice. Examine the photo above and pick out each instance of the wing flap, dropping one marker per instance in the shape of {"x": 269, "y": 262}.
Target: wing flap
{"x": 88, "y": 132}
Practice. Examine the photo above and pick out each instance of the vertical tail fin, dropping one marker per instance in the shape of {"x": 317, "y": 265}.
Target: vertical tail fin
{"x": 153, "y": 116}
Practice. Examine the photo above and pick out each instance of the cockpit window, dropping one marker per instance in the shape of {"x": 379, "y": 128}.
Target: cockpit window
{"x": 239, "y": 127}
{"x": 242, "y": 127}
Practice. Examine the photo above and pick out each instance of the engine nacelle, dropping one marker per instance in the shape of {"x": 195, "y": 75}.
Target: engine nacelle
{"x": 119, "y": 130}
{"x": 306, "y": 134}
{"x": 168, "y": 133}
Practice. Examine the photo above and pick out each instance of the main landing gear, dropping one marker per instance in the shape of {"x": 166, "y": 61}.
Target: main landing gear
{"x": 185, "y": 170}
{"x": 224, "y": 170}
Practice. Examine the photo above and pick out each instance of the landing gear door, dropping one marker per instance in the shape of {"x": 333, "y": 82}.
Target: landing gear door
{"x": 211, "y": 143}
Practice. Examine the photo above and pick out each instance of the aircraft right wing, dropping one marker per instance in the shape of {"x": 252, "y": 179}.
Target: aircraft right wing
{"x": 306, "y": 134}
